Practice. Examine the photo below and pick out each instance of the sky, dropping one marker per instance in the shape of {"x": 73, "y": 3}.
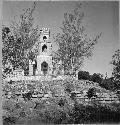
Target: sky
{"x": 100, "y": 17}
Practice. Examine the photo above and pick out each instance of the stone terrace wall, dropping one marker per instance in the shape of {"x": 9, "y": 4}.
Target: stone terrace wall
{"x": 57, "y": 84}
{"x": 36, "y": 78}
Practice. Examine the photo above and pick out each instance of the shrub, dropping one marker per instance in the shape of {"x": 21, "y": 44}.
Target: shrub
{"x": 13, "y": 112}
{"x": 69, "y": 87}
{"x": 94, "y": 114}
{"x": 61, "y": 102}
{"x": 108, "y": 84}
{"x": 83, "y": 75}
{"x": 91, "y": 92}
{"x": 9, "y": 120}
{"x": 96, "y": 77}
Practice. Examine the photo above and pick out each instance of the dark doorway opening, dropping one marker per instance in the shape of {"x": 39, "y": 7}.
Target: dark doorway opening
{"x": 44, "y": 67}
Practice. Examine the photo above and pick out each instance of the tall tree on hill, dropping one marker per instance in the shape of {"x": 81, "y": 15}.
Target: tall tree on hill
{"x": 116, "y": 68}
{"x": 74, "y": 44}
{"x": 97, "y": 77}
{"x": 83, "y": 75}
{"x": 24, "y": 36}
{"x": 7, "y": 49}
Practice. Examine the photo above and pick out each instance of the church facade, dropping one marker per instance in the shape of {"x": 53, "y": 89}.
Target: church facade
{"x": 43, "y": 60}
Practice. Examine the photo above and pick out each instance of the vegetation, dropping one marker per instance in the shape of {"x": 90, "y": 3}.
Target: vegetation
{"x": 83, "y": 75}
{"x": 116, "y": 68}
{"x": 94, "y": 114}
{"x": 91, "y": 92}
{"x": 113, "y": 83}
{"x": 73, "y": 43}
{"x": 58, "y": 109}
{"x": 97, "y": 77}
{"x": 108, "y": 83}
{"x": 19, "y": 40}
{"x": 7, "y": 49}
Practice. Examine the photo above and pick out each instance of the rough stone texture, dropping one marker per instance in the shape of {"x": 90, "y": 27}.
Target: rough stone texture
{"x": 57, "y": 87}
{"x": 30, "y": 70}
{"x": 45, "y": 52}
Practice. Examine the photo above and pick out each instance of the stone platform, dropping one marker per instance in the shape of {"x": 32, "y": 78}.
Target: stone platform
{"x": 36, "y": 78}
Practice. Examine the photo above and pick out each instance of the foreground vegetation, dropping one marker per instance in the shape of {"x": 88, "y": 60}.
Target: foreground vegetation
{"x": 54, "y": 113}
{"x": 58, "y": 106}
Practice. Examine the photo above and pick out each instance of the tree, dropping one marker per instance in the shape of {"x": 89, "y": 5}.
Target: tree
{"x": 116, "y": 68}
{"x": 97, "y": 77}
{"x": 91, "y": 92}
{"x": 74, "y": 44}
{"x": 83, "y": 75}
{"x": 18, "y": 48}
{"x": 7, "y": 50}
{"x": 108, "y": 83}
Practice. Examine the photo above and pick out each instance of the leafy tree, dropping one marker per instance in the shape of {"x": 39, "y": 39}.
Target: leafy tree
{"x": 74, "y": 44}
{"x": 18, "y": 48}
{"x": 108, "y": 84}
{"x": 116, "y": 68}
{"x": 96, "y": 77}
{"x": 7, "y": 50}
{"x": 83, "y": 75}
{"x": 91, "y": 92}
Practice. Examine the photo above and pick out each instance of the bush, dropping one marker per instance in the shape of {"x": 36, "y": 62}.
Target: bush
{"x": 96, "y": 77}
{"x": 53, "y": 110}
{"x": 9, "y": 120}
{"x": 69, "y": 87}
{"x": 108, "y": 84}
{"x": 12, "y": 112}
{"x": 83, "y": 75}
{"x": 94, "y": 114}
{"x": 91, "y": 92}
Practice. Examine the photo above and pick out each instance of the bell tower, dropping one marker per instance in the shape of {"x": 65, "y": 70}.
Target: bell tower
{"x": 44, "y": 58}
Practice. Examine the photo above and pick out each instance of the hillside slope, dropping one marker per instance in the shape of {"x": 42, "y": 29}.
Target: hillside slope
{"x": 55, "y": 103}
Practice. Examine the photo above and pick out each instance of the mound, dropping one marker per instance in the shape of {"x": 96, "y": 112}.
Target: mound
{"x": 62, "y": 101}
{"x": 61, "y": 88}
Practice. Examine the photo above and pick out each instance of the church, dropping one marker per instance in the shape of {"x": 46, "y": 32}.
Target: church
{"x": 42, "y": 65}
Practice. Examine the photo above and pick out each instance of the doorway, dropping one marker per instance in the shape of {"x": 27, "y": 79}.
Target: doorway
{"x": 44, "y": 68}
